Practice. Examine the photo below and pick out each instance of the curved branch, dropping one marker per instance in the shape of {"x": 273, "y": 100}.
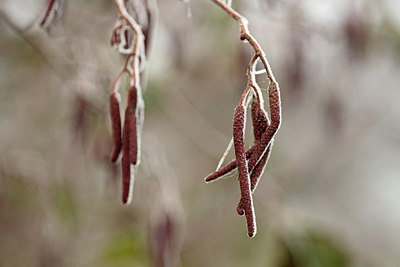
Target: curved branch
{"x": 245, "y": 35}
{"x": 138, "y": 43}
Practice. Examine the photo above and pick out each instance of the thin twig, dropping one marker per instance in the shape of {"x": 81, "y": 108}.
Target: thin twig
{"x": 138, "y": 42}
{"x": 245, "y": 35}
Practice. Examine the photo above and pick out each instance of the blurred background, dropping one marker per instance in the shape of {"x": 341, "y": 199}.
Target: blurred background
{"x": 330, "y": 195}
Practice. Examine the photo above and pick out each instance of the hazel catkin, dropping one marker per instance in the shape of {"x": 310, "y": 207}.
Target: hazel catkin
{"x": 116, "y": 126}
{"x": 244, "y": 179}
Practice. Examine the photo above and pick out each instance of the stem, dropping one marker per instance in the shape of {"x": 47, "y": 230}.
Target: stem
{"x": 246, "y": 35}
{"x": 137, "y": 43}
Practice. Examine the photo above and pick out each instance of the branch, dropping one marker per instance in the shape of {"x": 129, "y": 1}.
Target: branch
{"x": 245, "y": 35}
{"x": 138, "y": 43}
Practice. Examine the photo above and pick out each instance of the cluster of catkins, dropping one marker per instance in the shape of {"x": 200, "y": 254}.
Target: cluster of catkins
{"x": 131, "y": 37}
{"x": 127, "y": 38}
{"x": 127, "y": 140}
{"x": 251, "y": 163}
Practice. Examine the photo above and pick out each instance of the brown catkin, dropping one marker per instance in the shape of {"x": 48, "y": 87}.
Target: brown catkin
{"x": 255, "y": 120}
{"x": 133, "y": 139}
{"x": 275, "y": 107}
{"x": 116, "y": 126}
{"x": 126, "y": 179}
{"x": 132, "y": 97}
{"x": 244, "y": 179}
{"x": 260, "y": 124}
{"x": 131, "y": 124}
{"x": 255, "y": 176}
{"x": 126, "y": 164}
{"x": 259, "y": 168}
{"x": 227, "y": 168}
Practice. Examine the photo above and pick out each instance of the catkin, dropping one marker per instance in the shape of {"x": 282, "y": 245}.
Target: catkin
{"x": 116, "y": 126}
{"x": 244, "y": 179}
{"x": 126, "y": 179}
{"x": 266, "y": 138}
{"x": 227, "y": 168}
{"x": 260, "y": 124}
{"x": 133, "y": 147}
{"x": 259, "y": 168}
{"x": 257, "y": 131}
{"x": 131, "y": 123}
{"x": 126, "y": 164}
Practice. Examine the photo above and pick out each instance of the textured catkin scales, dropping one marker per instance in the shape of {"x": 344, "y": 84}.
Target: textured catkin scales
{"x": 129, "y": 146}
{"x": 275, "y": 105}
{"x": 255, "y": 176}
{"x": 255, "y": 117}
{"x": 259, "y": 168}
{"x": 132, "y": 97}
{"x": 127, "y": 176}
{"x": 260, "y": 124}
{"x": 133, "y": 144}
{"x": 126, "y": 179}
{"x": 261, "y": 148}
{"x": 116, "y": 126}
{"x": 244, "y": 179}
{"x": 274, "y": 102}
{"x": 227, "y": 168}
{"x": 132, "y": 125}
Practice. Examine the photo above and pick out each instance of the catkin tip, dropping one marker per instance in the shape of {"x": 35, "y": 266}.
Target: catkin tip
{"x": 132, "y": 97}
{"x": 207, "y": 180}
{"x": 126, "y": 201}
{"x": 252, "y": 233}
{"x": 240, "y": 211}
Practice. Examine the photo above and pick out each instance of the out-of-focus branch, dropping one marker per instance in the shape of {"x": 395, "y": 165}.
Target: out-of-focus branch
{"x": 138, "y": 43}
{"x": 129, "y": 39}
{"x": 21, "y": 33}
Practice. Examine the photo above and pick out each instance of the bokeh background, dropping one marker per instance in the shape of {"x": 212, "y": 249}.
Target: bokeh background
{"x": 330, "y": 195}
